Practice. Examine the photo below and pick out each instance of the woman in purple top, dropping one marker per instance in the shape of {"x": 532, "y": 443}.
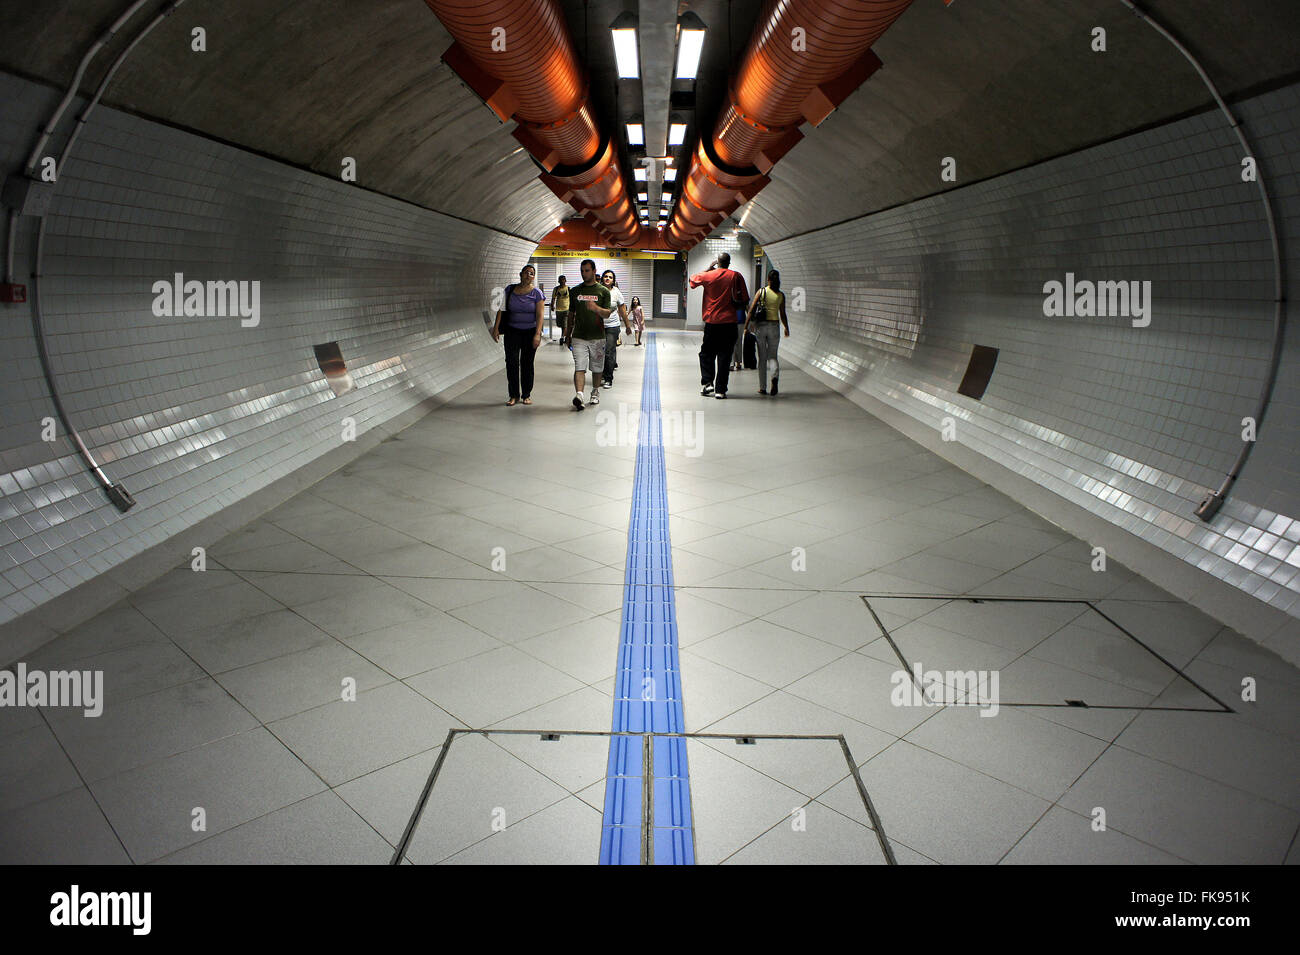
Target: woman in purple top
{"x": 521, "y": 319}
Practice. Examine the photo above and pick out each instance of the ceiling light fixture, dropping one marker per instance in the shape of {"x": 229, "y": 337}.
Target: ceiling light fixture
{"x": 623, "y": 30}
{"x": 690, "y": 42}
{"x": 676, "y": 134}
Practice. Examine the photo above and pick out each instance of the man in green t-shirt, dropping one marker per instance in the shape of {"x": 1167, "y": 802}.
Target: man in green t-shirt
{"x": 589, "y": 304}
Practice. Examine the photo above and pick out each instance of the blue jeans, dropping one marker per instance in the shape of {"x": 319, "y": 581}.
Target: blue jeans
{"x": 611, "y": 352}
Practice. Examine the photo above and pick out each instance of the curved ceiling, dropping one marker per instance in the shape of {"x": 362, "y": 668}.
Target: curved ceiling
{"x": 995, "y": 85}
{"x": 999, "y": 86}
{"x": 308, "y": 82}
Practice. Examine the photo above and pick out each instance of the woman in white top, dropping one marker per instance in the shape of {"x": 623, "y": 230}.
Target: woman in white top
{"x": 617, "y": 315}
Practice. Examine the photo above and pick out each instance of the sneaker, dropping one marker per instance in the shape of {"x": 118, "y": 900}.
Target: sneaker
{"x": 774, "y": 377}
{"x": 595, "y": 398}
{"x": 761, "y": 391}
{"x": 608, "y": 384}
{"x": 720, "y": 394}
{"x": 706, "y": 390}
{"x": 577, "y": 402}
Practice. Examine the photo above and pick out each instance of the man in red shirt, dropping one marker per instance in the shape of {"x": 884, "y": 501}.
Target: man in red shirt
{"x": 724, "y": 289}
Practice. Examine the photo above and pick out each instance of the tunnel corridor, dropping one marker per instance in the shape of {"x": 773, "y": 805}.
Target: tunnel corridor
{"x": 1006, "y": 573}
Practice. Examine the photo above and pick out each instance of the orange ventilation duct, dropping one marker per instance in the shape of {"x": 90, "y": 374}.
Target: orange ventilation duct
{"x": 518, "y": 56}
{"x": 805, "y": 58}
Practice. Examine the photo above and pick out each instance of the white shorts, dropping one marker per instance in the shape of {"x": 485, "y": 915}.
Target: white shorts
{"x": 588, "y": 355}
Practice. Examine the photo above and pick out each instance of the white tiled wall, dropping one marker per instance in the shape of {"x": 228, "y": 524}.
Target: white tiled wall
{"x": 635, "y": 276}
{"x": 194, "y": 414}
{"x": 1133, "y": 424}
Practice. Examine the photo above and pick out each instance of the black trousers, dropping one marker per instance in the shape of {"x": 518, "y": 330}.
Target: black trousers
{"x": 715, "y": 354}
{"x": 519, "y": 361}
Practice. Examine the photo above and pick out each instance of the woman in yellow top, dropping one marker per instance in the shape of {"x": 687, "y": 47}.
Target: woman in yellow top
{"x": 765, "y": 311}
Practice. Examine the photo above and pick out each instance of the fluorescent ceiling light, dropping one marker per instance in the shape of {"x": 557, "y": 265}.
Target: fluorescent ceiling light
{"x": 643, "y": 197}
{"x": 676, "y": 134}
{"x": 670, "y": 175}
{"x": 690, "y": 41}
{"x": 635, "y": 134}
{"x": 623, "y": 30}
{"x": 639, "y": 173}
{"x": 663, "y": 213}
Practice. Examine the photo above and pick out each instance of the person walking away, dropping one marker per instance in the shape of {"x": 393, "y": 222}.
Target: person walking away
{"x": 560, "y": 310}
{"x": 637, "y": 316}
{"x": 521, "y": 320}
{"x": 589, "y": 305}
{"x": 738, "y": 353}
{"x": 723, "y": 289}
{"x": 617, "y": 317}
{"x": 767, "y": 315}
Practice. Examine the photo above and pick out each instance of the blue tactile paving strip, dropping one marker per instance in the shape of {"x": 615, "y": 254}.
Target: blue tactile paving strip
{"x": 648, "y": 688}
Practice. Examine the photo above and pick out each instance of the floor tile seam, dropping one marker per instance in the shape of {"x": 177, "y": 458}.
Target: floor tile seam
{"x": 68, "y": 718}
{"x": 783, "y": 821}
{"x": 957, "y": 762}
{"x": 537, "y": 769}
{"x": 84, "y": 783}
{"x": 472, "y": 656}
{"x": 466, "y": 724}
{"x": 126, "y": 772}
{"x": 783, "y": 686}
{"x": 1109, "y": 828}
{"x": 1294, "y": 810}
{"x": 166, "y": 638}
{"x": 934, "y": 711}
{"x": 716, "y": 746}
{"x": 1174, "y": 674}
{"x": 297, "y": 611}
{"x": 344, "y": 507}
{"x": 1236, "y": 670}
{"x": 477, "y": 842}
{"x": 341, "y": 641}
{"x": 1011, "y": 848}
{"x": 459, "y": 852}
{"x": 247, "y": 822}
{"x": 791, "y": 630}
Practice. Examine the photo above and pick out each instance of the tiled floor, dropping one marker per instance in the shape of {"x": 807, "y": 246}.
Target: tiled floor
{"x": 469, "y": 571}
